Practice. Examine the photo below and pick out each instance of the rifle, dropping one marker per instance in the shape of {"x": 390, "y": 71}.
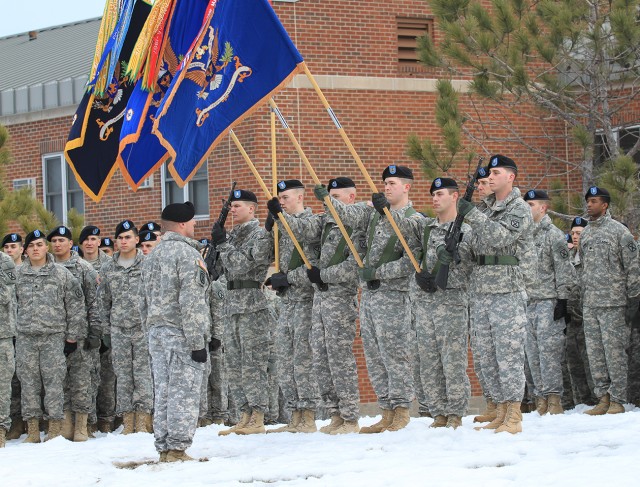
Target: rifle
{"x": 453, "y": 235}
{"x": 210, "y": 252}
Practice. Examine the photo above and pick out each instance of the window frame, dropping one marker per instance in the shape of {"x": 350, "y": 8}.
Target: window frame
{"x": 64, "y": 171}
{"x": 165, "y": 176}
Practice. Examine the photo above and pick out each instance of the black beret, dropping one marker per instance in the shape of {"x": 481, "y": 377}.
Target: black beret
{"x": 150, "y": 227}
{"x": 35, "y": 235}
{"x": 536, "y": 194}
{"x": 179, "y": 212}
{"x": 106, "y": 242}
{"x": 125, "y": 226}
{"x": 339, "y": 183}
{"x": 87, "y": 231}
{"x": 243, "y": 195}
{"x": 596, "y": 191}
{"x": 11, "y": 238}
{"x": 443, "y": 183}
{"x": 288, "y": 184}
{"x": 499, "y": 160}
{"x": 579, "y": 222}
{"x": 60, "y": 231}
{"x": 483, "y": 173}
{"x": 394, "y": 171}
{"x": 147, "y": 236}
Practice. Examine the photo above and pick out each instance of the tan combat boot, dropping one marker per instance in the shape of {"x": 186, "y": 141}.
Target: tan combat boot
{"x": 454, "y": 421}
{"x": 296, "y": 416}
{"x": 128, "y": 420}
{"x": 439, "y": 421}
{"x": 142, "y": 422}
{"x": 346, "y": 427}
{"x": 489, "y": 413}
{"x": 177, "y": 456}
{"x": 3, "y": 437}
{"x": 217, "y": 421}
{"x": 55, "y": 427}
{"x": 67, "y": 426}
{"x": 244, "y": 420}
{"x": 512, "y": 420}
{"x": 80, "y": 432}
{"x": 501, "y": 411}
{"x": 336, "y": 421}
{"x": 163, "y": 457}
{"x": 615, "y": 408}
{"x": 601, "y": 408}
{"x": 255, "y": 426}
{"x": 91, "y": 429}
{"x": 380, "y": 426}
{"x": 542, "y": 406}
{"x": 202, "y": 422}
{"x": 400, "y": 419}
{"x": 105, "y": 426}
{"x": 554, "y": 403}
{"x": 16, "y": 430}
{"x": 33, "y": 431}
{"x": 307, "y": 423}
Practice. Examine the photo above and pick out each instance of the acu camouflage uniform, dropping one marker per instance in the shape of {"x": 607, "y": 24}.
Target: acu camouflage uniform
{"x": 7, "y": 332}
{"x": 120, "y": 292}
{"x": 610, "y": 276}
{"x": 51, "y": 309}
{"x": 175, "y": 314}
{"x": 545, "y": 338}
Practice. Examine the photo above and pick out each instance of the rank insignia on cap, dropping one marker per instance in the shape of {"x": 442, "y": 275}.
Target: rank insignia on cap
{"x": 37, "y": 234}
{"x": 334, "y": 184}
{"x": 392, "y": 169}
{"x": 61, "y": 230}
{"x": 126, "y": 225}
{"x": 237, "y": 193}
{"x": 282, "y": 185}
{"x": 437, "y": 183}
{"x": 482, "y": 171}
{"x": 593, "y": 190}
{"x": 95, "y": 231}
{"x": 532, "y": 194}
{"x": 494, "y": 161}
{"x": 14, "y": 237}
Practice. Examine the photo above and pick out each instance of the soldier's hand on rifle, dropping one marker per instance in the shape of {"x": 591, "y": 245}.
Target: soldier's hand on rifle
{"x": 426, "y": 281}
{"x": 380, "y": 202}
{"x": 320, "y": 191}
{"x": 444, "y": 256}
{"x": 278, "y": 281}
{"x": 218, "y": 234}
{"x": 274, "y": 206}
{"x": 268, "y": 223}
{"x": 465, "y": 207}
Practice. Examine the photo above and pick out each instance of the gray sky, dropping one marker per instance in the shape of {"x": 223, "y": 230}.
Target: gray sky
{"x": 20, "y": 16}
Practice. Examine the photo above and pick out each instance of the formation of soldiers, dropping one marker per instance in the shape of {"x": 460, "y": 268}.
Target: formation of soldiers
{"x": 150, "y": 337}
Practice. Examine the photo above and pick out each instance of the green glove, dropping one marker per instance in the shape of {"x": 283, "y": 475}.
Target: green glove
{"x": 320, "y": 191}
{"x": 464, "y": 207}
{"x": 367, "y": 273}
{"x": 444, "y": 256}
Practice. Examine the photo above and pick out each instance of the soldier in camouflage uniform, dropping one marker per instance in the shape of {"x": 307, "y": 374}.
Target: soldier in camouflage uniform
{"x": 103, "y": 379}
{"x": 334, "y": 309}
{"x": 7, "y": 332}
{"x": 293, "y": 331}
{"x": 175, "y": 314}
{"x": 119, "y": 294}
{"x": 245, "y": 256}
{"x": 385, "y": 310}
{"x": 52, "y": 319}
{"x": 610, "y": 276}
{"x": 441, "y": 317}
{"x": 547, "y": 308}
{"x": 505, "y": 263}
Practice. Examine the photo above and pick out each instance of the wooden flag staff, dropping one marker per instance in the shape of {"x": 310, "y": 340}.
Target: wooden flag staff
{"x": 274, "y": 178}
{"x": 314, "y": 176}
{"x": 363, "y": 169}
{"x": 267, "y": 193}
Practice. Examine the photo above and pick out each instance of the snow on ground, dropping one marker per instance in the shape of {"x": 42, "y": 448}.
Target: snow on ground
{"x": 569, "y": 450}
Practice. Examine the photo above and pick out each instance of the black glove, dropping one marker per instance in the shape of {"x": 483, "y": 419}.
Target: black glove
{"x": 314, "y": 275}
{"x": 214, "y": 345}
{"x": 274, "y": 206}
{"x": 373, "y": 285}
{"x": 426, "y": 281}
{"x": 218, "y": 234}
{"x": 380, "y": 202}
{"x": 199, "y": 356}
{"x": 320, "y": 191}
{"x": 278, "y": 281}
{"x": 268, "y": 223}
{"x": 69, "y": 348}
{"x": 560, "y": 311}
{"x": 106, "y": 343}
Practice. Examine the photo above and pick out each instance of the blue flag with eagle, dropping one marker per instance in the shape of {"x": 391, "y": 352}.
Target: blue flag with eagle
{"x": 242, "y": 57}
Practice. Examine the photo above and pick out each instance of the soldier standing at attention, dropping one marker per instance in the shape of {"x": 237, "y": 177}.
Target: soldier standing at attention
{"x": 608, "y": 255}
{"x": 175, "y": 314}
{"x": 502, "y": 249}
{"x": 547, "y": 308}
{"x": 119, "y": 294}
{"x": 245, "y": 255}
{"x": 52, "y": 319}
{"x": 385, "y": 308}
{"x": 7, "y": 332}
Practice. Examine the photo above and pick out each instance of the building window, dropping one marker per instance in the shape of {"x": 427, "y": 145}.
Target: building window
{"x": 409, "y": 29}
{"x": 22, "y": 183}
{"x": 626, "y": 138}
{"x": 61, "y": 190}
{"x": 196, "y": 191}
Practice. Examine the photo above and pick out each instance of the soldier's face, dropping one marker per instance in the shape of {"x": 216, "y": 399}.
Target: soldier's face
{"x": 190, "y": 228}
{"x": 13, "y": 249}
{"x": 596, "y": 206}
{"x": 91, "y": 244}
{"x": 147, "y": 247}
{"x": 483, "y": 188}
{"x": 61, "y": 246}
{"x": 346, "y": 195}
{"x": 127, "y": 242}
{"x": 575, "y": 235}
{"x": 538, "y": 209}
{"x": 242, "y": 212}
{"x": 443, "y": 200}
{"x": 500, "y": 178}
{"x": 292, "y": 200}
{"x": 37, "y": 251}
{"x": 395, "y": 190}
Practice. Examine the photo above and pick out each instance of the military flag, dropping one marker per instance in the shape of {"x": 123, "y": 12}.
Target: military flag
{"x": 92, "y": 146}
{"x": 140, "y": 150}
{"x": 242, "y": 57}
